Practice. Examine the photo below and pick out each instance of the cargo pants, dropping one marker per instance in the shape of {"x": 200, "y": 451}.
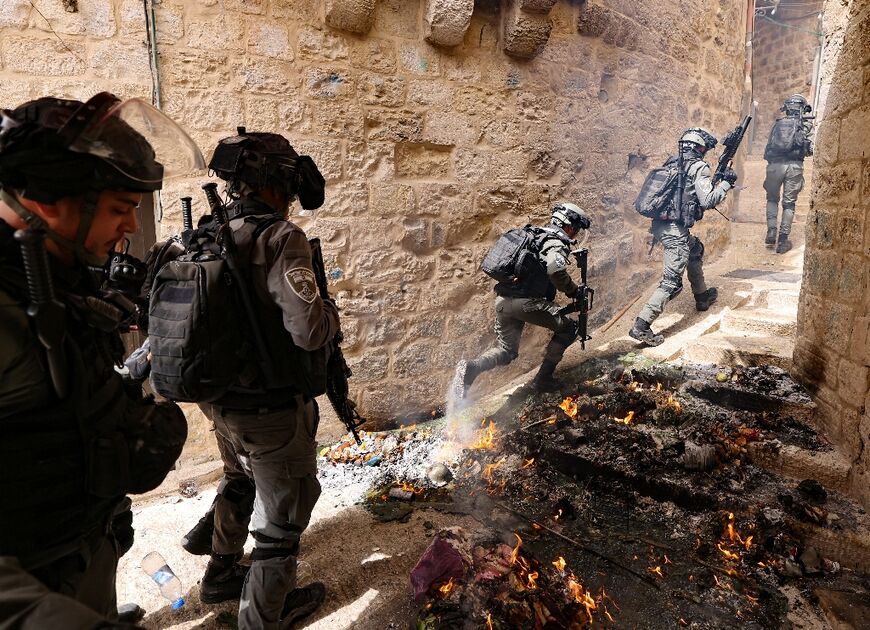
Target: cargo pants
{"x": 682, "y": 252}
{"x": 511, "y": 316}
{"x": 789, "y": 178}
{"x": 276, "y": 449}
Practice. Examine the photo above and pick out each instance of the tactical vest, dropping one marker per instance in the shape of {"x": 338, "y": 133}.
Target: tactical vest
{"x": 64, "y": 465}
{"x": 536, "y": 284}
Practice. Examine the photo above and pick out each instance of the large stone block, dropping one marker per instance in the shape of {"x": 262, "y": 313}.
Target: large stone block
{"x": 326, "y": 154}
{"x": 447, "y": 20}
{"x": 536, "y": 6}
{"x": 215, "y": 32}
{"x": 419, "y": 59}
{"x": 269, "y": 40}
{"x": 451, "y": 128}
{"x": 377, "y": 55}
{"x": 95, "y": 18}
{"x": 525, "y": 34}
{"x": 321, "y": 45}
{"x": 422, "y": 161}
{"x": 192, "y": 68}
{"x": 853, "y": 382}
{"x": 369, "y": 160}
{"x": 266, "y": 76}
{"x": 329, "y": 83}
{"x": 14, "y": 13}
{"x": 111, "y": 59}
{"x": 398, "y": 126}
{"x": 46, "y": 56}
{"x": 391, "y": 200}
{"x": 377, "y": 89}
{"x": 356, "y": 16}
{"x": 254, "y": 7}
{"x": 370, "y": 366}
{"x": 398, "y": 18}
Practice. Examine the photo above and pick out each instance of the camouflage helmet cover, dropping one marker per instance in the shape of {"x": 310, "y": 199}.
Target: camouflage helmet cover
{"x": 699, "y": 136}
{"x": 796, "y": 104}
{"x": 565, "y": 213}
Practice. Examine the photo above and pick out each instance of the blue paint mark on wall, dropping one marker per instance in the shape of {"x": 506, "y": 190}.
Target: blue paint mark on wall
{"x": 513, "y": 79}
{"x": 336, "y": 274}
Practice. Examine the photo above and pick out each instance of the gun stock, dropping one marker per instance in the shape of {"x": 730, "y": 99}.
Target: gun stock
{"x": 337, "y": 370}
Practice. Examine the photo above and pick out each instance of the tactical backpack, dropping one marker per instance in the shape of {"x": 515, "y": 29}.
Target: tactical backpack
{"x": 656, "y": 197}
{"x": 787, "y": 139}
{"x": 513, "y": 257}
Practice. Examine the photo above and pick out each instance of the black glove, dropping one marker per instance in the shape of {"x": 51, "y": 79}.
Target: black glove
{"x": 730, "y": 176}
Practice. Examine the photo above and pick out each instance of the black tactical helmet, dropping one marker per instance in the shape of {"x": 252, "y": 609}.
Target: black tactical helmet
{"x": 250, "y": 162}
{"x": 54, "y": 148}
{"x": 796, "y": 105}
{"x": 700, "y": 137}
{"x": 565, "y": 213}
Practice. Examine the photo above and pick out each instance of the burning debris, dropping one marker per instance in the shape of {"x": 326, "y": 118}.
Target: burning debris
{"x": 633, "y": 489}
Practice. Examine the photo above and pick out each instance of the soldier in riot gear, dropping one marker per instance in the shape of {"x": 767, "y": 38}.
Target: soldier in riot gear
{"x": 682, "y": 250}
{"x": 530, "y": 301}
{"x": 266, "y": 436}
{"x": 76, "y": 438}
{"x": 788, "y": 144}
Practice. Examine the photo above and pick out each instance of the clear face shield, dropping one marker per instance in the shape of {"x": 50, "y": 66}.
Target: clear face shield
{"x": 140, "y": 141}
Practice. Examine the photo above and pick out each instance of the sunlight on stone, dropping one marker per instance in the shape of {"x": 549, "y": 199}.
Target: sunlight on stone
{"x": 347, "y": 616}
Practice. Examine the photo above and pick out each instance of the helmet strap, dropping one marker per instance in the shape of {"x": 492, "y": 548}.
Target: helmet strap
{"x": 77, "y": 247}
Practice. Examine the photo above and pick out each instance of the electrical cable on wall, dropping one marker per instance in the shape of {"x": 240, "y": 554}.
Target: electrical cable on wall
{"x": 151, "y": 37}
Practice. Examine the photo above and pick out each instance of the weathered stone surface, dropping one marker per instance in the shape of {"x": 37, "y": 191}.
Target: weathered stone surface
{"x": 376, "y": 89}
{"x": 110, "y": 60}
{"x": 14, "y": 13}
{"x": 424, "y": 161}
{"x": 355, "y": 16}
{"x": 217, "y": 32}
{"x": 525, "y": 34}
{"x": 329, "y": 83}
{"x": 536, "y": 6}
{"x": 270, "y": 40}
{"x": 321, "y": 45}
{"x": 41, "y": 56}
{"x": 447, "y": 20}
{"x": 95, "y": 18}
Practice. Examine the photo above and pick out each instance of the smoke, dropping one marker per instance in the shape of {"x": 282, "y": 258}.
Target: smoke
{"x": 461, "y": 427}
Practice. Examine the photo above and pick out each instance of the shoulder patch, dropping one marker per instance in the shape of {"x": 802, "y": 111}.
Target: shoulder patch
{"x": 303, "y": 283}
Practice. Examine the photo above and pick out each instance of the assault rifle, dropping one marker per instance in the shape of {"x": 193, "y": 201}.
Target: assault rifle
{"x": 731, "y": 143}
{"x": 337, "y": 370}
{"x": 582, "y": 299}
{"x": 44, "y": 310}
{"x": 228, "y": 243}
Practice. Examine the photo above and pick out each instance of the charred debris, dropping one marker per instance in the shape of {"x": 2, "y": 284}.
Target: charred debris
{"x": 640, "y": 497}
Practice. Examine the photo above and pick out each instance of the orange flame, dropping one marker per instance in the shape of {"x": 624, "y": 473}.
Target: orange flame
{"x": 516, "y": 552}
{"x": 581, "y": 596}
{"x": 673, "y": 403}
{"x": 409, "y": 487}
{"x": 730, "y": 555}
{"x": 658, "y": 387}
{"x": 634, "y": 386}
{"x": 488, "y": 621}
{"x": 569, "y": 406}
{"x": 559, "y": 563}
{"x": 557, "y": 515}
{"x": 657, "y": 570}
{"x": 531, "y": 580}
{"x": 446, "y": 588}
{"x": 529, "y": 462}
{"x": 667, "y": 560}
{"x": 626, "y": 420}
{"x": 485, "y": 438}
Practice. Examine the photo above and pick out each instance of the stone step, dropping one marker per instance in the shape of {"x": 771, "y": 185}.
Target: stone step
{"x": 720, "y": 348}
{"x": 830, "y": 468}
{"x": 760, "y": 322}
{"x": 780, "y": 301}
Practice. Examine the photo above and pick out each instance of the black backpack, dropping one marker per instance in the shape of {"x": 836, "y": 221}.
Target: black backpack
{"x": 786, "y": 139}
{"x": 514, "y": 257}
{"x": 199, "y": 337}
{"x": 656, "y": 197}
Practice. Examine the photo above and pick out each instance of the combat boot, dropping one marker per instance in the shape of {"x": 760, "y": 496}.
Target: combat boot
{"x": 198, "y": 540}
{"x": 223, "y": 579}
{"x": 465, "y": 374}
{"x": 704, "y": 301}
{"x": 783, "y": 244}
{"x": 643, "y": 333}
{"x": 544, "y": 380}
{"x": 301, "y": 602}
{"x": 770, "y": 239}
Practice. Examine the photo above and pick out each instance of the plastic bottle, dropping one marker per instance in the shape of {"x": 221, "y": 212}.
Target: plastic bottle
{"x": 170, "y": 586}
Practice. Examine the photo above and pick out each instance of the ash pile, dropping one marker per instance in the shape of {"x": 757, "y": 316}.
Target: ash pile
{"x": 640, "y": 498}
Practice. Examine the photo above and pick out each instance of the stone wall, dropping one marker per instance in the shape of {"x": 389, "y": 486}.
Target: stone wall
{"x": 430, "y": 150}
{"x": 784, "y": 49}
{"x": 832, "y": 353}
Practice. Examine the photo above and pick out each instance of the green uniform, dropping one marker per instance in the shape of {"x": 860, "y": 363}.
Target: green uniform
{"x": 785, "y": 179}
{"x": 682, "y": 250}
{"x": 68, "y": 463}
{"x": 515, "y": 308}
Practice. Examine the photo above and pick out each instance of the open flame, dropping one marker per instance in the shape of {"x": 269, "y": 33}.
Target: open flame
{"x": 559, "y": 563}
{"x": 626, "y": 420}
{"x": 516, "y": 552}
{"x": 529, "y": 462}
{"x": 485, "y": 437}
{"x": 730, "y": 555}
{"x": 446, "y": 588}
{"x": 656, "y": 570}
{"x": 569, "y": 406}
{"x": 673, "y": 403}
{"x": 488, "y": 621}
{"x": 408, "y": 487}
{"x": 531, "y": 580}
{"x": 581, "y": 596}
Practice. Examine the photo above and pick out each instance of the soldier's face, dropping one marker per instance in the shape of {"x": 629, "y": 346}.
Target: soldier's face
{"x": 115, "y": 216}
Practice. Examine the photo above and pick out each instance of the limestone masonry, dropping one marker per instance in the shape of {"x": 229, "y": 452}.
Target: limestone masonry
{"x": 437, "y": 123}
